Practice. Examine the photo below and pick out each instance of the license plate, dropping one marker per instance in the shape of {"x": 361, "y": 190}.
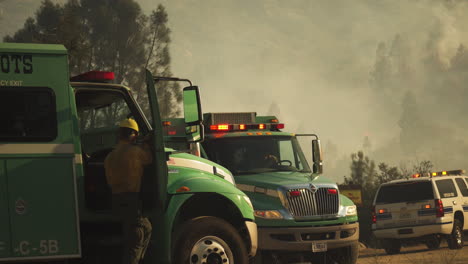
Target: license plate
{"x": 405, "y": 215}
{"x": 319, "y": 247}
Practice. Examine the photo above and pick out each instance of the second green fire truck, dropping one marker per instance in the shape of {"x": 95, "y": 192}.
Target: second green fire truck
{"x": 300, "y": 214}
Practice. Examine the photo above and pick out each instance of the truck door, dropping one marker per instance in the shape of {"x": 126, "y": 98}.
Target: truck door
{"x": 161, "y": 236}
{"x": 38, "y": 200}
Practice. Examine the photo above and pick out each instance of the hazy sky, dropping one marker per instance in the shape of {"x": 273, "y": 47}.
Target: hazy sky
{"x": 310, "y": 57}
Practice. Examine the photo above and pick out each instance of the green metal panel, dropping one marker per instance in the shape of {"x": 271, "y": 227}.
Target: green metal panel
{"x": 41, "y": 206}
{"x": 33, "y": 48}
{"x": 4, "y": 215}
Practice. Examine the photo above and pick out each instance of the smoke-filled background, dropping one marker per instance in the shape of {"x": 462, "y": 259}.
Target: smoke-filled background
{"x": 387, "y": 77}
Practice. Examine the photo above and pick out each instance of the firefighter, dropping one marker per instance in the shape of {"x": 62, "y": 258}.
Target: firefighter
{"x": 124, "y": 171}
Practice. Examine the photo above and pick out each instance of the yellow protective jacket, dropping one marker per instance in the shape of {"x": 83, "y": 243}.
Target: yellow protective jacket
{"x": 124, "y": 167}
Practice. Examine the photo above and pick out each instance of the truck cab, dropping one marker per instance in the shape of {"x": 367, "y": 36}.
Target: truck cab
{"x": 300, "y": 213}
{"x": 54, "y": 198}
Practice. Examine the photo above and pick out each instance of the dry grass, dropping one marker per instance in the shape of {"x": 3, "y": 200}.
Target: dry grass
{"x": 416, "y": 256}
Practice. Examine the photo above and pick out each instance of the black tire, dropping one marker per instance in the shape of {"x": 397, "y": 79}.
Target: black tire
{"x": 209, "y": 240}
{"x": 346, "y": 255}
{"x": 455, "y": 240}
{"x": 433, "y": 243}
{"x": 392, "y": 247}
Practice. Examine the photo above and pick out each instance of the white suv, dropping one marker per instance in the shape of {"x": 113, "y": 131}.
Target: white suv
{"x": 422, "y": 209}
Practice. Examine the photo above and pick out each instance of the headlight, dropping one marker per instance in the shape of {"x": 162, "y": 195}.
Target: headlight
{"x": 269, "y": 214}
{"x": 247, "y": 199}
{"x": 351, "y": 210}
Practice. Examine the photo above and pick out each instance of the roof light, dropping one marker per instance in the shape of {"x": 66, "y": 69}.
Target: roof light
{"x": 434, "y": 174}
{"x": 277, "y": 126}
{"x": 417, "y": 175}
{"x": 332, "y": 191}
{"x": 261, "y": 126}
{"x": 295, "y": 193}
{"x": 444, "y": 173}
{"x": 259, "y": 133}
{"x": 94, "y": 76}
{"x": 242, "y": 127}
{"x": 274, "y": 121}
{"x": 166, "y": 123}
{"x": 221, "y": 127}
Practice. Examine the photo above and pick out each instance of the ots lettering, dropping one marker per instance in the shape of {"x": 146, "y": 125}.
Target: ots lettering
{"x": 16, "y": 63}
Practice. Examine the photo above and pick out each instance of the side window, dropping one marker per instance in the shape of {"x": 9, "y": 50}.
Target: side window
{"x": 446, "y": 188}
{"x": 99, "y": 114}
{"x": 28, "y": 114}
{"x": 106, "y": 114}
{"x": 462, "y": 186}
{"x": 287, "y": 153}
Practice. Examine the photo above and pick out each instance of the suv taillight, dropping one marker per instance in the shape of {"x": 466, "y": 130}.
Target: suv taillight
{"x": 439, "y": 208}
{"x": 374, "y": 217}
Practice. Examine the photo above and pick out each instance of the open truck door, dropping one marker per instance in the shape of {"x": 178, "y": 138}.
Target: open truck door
{"x": 194, "y": 133}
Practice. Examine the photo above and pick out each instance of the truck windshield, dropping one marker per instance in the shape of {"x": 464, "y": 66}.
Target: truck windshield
{"x": 257, "y": 154}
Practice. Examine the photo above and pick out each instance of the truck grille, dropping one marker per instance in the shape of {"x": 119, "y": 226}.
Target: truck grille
{"x": 310, "y": 204}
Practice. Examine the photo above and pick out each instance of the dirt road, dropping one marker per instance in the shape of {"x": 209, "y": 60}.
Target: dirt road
{"x": 415, "y": 255}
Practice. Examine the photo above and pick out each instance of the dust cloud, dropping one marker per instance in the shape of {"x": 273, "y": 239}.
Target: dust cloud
{"x": 391, "y": 71}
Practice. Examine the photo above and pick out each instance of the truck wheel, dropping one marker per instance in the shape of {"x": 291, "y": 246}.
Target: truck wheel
{"x": 346, "y": 255}
{"x": 392, "y": 246}
{"x": 455, "y": 240}
{"x": 433, "y": 243}
{"x": 209, "y": 240}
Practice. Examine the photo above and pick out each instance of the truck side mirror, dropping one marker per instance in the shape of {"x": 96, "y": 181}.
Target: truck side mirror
{"x": 317, "y": 166}
{"x": 193, "y": 114}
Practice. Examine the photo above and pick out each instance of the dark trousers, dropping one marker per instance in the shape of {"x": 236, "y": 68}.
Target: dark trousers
{"x": 136, "y": 228}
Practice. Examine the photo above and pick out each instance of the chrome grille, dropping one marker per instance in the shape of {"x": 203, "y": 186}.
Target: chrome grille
{"x": 309, "y": 204}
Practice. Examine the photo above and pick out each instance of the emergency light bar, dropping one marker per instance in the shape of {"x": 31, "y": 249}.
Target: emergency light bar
{"x": 94, "y": 76}
{"x": 242, "y": 127}
{"x": 440, "y": 173}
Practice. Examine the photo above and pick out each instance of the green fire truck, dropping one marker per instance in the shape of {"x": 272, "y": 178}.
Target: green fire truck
{"x": 301, "y": 215}
{"x": 54, "y": 200}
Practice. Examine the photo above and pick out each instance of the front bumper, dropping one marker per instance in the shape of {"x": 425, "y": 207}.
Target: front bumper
{"x": 302, "y": 238}
{"x": 252, "y": 228}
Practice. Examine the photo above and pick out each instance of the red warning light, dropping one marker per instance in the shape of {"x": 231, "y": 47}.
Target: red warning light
{"x": 332, "y": 191}
{"x": 94, "y": 76}
{"x": 295, "y": 193}
{"x": 279, "y": 126}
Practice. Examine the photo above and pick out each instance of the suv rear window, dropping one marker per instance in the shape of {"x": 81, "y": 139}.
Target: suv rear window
{"x": 412, "y": 191}
{"x": 446, "y": 188}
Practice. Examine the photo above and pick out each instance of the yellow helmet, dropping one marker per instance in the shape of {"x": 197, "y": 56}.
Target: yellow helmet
{"x": 129, "y": 123}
